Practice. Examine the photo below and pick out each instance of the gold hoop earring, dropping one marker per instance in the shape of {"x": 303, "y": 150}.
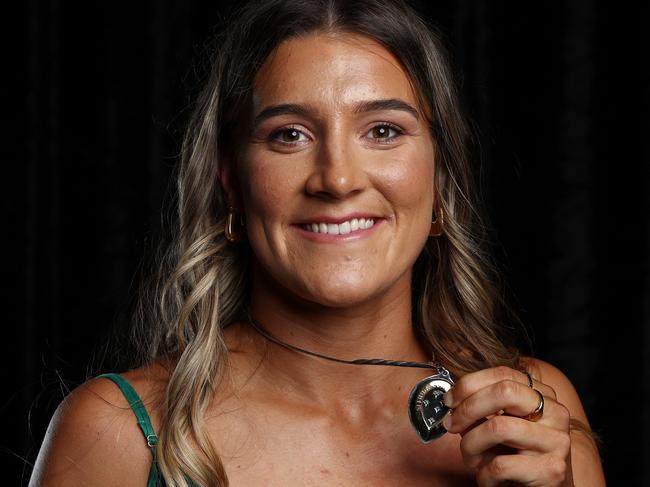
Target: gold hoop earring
{"x": 230, "y": 231}
{"x": 437, "y": 224}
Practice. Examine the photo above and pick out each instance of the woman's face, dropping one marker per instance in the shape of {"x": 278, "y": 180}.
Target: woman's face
{"x": 336, "y": 179}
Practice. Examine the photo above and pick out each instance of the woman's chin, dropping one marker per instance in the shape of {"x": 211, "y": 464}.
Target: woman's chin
{"x": 345, "y": 295}
{"x": 339, "y": 300}
{"x": 333, "y": 287}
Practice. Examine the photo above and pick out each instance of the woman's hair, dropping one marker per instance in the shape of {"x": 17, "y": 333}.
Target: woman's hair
{"x": 205, "y": 281}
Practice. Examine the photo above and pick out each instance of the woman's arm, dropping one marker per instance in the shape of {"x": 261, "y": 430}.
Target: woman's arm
{"x": 93, "y": 439}
{"x": 585, "y": 458}
{"x": 489, "y": 412}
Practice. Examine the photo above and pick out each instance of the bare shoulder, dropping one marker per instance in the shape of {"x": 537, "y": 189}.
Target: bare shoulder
{"x": 585, "y": 458}
{"x": 94, "y": 438}
{"x": 560, "y": 383}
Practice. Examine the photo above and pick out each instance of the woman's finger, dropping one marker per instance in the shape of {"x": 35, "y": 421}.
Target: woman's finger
{"x": 515, "y": 433}
{"x": 524, "y": 469}
{"x": 471, "y": 383}
{"x": 509, "y": 397}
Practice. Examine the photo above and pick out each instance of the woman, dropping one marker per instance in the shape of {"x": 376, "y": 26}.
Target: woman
{"x": 325, "y": 203}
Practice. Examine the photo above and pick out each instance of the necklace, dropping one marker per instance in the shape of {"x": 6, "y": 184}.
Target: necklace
{"x": 425, "y": 406}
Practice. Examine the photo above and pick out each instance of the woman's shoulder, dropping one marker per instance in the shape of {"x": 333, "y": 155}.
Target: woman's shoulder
{"x": 584, "y": 443}
{"x": 557, "y": 380}
{"x": 94, "y": 430}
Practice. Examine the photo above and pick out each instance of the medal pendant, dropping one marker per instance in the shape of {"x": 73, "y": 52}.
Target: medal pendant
{"x": 426, "y": 408}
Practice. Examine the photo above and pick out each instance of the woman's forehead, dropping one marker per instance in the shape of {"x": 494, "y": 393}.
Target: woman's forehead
{"x": 330, "y": 71}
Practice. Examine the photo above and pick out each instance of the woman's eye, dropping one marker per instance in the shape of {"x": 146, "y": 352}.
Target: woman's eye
{"x": 288, "y": 136}
{"x": 384, "y": 132}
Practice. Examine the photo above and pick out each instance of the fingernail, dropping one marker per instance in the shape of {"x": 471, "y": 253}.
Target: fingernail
{"x": 447, "y": 422}
{"x": 448, "y": 399}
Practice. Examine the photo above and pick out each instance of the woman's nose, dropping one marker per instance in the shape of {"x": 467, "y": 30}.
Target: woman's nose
{"x": 338, "y": 171}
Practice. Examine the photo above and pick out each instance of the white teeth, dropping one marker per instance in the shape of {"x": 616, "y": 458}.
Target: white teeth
{"x": 341, "y": 228}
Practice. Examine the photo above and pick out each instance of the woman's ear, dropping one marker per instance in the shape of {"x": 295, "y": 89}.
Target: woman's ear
{"x": 227, "y": 176}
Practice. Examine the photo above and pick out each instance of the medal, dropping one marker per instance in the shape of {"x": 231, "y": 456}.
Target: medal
{"x": 425, "y": 407}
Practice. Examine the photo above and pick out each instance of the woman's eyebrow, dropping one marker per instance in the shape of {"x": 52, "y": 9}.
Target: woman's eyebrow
{"x": 281, "y": 109}
{"x": 387, "y": 104}
{"x": 359, "y": 107}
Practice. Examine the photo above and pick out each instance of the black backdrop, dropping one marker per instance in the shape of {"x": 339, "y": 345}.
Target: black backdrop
{"x": 98, "y": 95}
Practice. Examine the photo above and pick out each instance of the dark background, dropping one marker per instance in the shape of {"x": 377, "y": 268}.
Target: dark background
{"x": 97, "y": 99}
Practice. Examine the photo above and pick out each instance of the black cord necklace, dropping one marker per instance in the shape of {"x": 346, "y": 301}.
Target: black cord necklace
{"x": 426, "y": 409}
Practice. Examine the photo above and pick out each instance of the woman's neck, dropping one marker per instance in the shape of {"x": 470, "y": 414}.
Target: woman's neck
{"x": 379, "y": 328}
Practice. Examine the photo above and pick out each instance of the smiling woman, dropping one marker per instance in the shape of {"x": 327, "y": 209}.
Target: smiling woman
{"x": 326, "y": 214}
{"x": 338, "y": 141}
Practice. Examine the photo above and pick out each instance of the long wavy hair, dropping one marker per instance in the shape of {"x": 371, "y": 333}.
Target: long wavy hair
{"x": 205, "y": 280}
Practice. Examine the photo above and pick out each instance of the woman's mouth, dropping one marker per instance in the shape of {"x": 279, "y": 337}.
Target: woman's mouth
{"x": 342, "y": 228}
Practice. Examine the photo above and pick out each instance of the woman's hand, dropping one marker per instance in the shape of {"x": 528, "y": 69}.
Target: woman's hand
{"x": 489, "y": 412}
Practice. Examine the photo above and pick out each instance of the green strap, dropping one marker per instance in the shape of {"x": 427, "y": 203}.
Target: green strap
{"x": 138, "y": 408}
{"x": 143, "y": 421}
{"x": 145, "y": 425}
